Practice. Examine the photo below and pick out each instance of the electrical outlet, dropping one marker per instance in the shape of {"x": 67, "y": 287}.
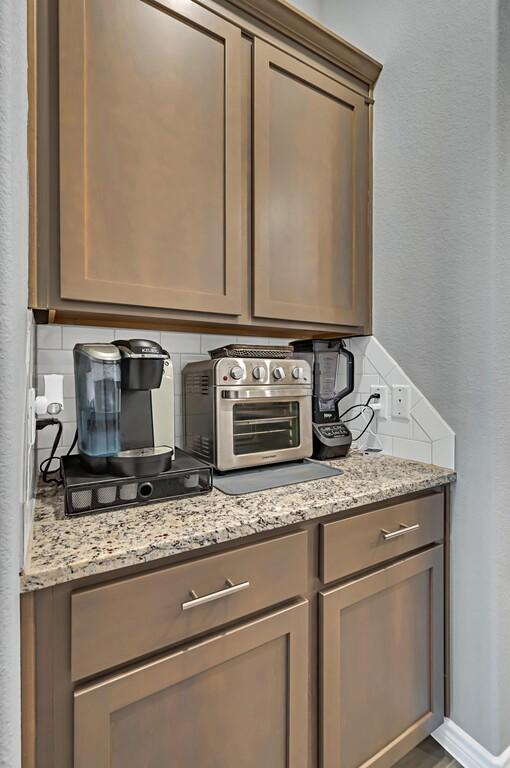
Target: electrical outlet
{"x": 380, "y": 406}
{"x": 401, "y": 401}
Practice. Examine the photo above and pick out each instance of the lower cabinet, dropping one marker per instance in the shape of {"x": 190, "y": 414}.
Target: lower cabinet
{"x": 330, "y": 656}
{"x": 382, "y": 663}
{"x": 238, "y": 698}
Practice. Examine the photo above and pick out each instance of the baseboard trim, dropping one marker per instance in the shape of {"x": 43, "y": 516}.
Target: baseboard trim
{"x": 466, "y": 750}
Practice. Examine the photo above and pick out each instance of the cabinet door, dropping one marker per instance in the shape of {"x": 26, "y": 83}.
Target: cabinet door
{"x": 382, "y": 663}
{"x": 311, "y": 194}
{"x": 236, "y": 699}
{"x": 150, "y": 155}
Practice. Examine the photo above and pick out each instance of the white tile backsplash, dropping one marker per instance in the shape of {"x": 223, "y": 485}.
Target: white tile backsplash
{"x": 181, "y": 342}
{"x": 72, "y": 335}
{"x": 54, "y": 361}
{"x": 430, "y": 420}
{"x": 134, "y": 333}
{"x": 386, "y": 443}
{"x": 54, "y": 355}
{"x": 258, "y": 340}
{"x": 394, "y": 427}
{"x": 425, "y": 436}
{"x": 365, "y": 381}
{"x": 185, "y": 359}
{"x": 211, "y": 341}
{"x": 368, "y": 367}
{"x": 69, "y": 412}
{"x": 68, "y": 385}
{"x": 46, "y": 436}
{"x": 49, "y": 336}
{"x": 443, "y": 451}
{"x": 378, "y": 356}
{"x": 412, "y": 449}
{"x": 417, "y": 433}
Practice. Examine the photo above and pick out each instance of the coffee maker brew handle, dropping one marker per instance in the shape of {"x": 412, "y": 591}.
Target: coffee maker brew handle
{"x": 349, "y": 387}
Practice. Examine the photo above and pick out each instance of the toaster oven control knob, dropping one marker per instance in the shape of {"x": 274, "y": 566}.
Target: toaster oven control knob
{"x": 298, "y": 373}
{"x": 258, "y": 373}
{"x": 279, "y": 373}
{"x": 236, "y": 372}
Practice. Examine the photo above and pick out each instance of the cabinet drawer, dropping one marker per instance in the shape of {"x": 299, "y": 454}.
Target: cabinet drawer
{"x": 356, "y": 543}
{"x": 120, "y": 621}
{"x": 239, "y": 699}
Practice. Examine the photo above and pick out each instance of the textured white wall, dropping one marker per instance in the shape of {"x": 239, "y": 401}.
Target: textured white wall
{"x": 13, "y": 317}
{"x": 501, "y": 376}
{"x": 441, "y": 288}
{"x": 311, "y": 7}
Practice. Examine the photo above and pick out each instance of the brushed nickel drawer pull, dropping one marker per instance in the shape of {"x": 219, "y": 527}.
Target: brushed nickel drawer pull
{"x": 231, "y": 589}
{"x": 401, "y": 531}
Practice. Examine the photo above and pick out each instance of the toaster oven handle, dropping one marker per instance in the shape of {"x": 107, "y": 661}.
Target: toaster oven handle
{"x": 262, "y": 393}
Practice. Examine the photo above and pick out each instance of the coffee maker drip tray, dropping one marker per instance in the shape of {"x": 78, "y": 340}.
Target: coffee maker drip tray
{"x": 141, "y": 462}
{"x": 86, "y": 492}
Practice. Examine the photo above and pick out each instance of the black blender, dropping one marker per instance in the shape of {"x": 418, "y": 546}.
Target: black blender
{"x": 333, "y": 379}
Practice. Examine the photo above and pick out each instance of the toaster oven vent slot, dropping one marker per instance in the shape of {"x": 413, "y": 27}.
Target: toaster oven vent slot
{"x": 201, "y": 445}
{"x": 197, "y": 384}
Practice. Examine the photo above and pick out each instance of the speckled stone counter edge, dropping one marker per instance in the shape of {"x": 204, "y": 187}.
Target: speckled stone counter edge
{"x": 67, "y": 549}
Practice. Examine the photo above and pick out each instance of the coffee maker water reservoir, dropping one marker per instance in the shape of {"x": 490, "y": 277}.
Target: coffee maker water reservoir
{"x": 97, "y": 381}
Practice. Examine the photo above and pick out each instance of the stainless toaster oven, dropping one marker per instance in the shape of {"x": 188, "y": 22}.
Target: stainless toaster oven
{"x": 241, "y": 412}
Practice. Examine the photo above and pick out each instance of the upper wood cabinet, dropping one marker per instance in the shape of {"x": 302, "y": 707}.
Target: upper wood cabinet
{"x": 239, "y": 698}
{"x": 150, "y": 155}
{"x": 311, "y": 194}
{"x": 199, "y": 163}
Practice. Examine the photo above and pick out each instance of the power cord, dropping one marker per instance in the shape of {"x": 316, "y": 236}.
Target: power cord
{"x": 363, "y": 406}
{"x": 53, "y": 476}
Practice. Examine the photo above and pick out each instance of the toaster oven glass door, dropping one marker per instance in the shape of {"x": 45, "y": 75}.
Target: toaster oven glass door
{"x": 262, "y": 427}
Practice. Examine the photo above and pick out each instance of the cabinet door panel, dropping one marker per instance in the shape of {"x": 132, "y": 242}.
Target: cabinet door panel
{"x": 311, "y": 187}
{"x": 237, "y": 698}
{"x": 150, "y": 155}
{"x": 382, "y": 663}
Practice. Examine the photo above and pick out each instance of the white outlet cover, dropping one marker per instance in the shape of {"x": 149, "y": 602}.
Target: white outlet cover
{"x": 401, "y": 401}
{"x": 380, "y": 406}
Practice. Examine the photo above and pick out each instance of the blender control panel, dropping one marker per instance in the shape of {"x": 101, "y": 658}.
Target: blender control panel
{"x": 332, "y": 431}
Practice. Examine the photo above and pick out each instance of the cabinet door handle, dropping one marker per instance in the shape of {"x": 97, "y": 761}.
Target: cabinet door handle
{"x": 230, "y": 589}
{"x": 401, "y": 531}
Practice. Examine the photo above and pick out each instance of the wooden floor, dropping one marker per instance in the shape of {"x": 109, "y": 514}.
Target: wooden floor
{"x": 428, "y": 754}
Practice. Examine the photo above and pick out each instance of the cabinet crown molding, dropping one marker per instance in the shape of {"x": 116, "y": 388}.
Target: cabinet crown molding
{"x": 292, "y": 22}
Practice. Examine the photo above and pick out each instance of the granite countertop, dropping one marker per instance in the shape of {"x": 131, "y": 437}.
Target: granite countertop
{"x": 64, "y": 549}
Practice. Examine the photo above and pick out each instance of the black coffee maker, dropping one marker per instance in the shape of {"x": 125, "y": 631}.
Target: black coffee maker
{"x": 124, "y": 407}
{"x": 332, "y": 367}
